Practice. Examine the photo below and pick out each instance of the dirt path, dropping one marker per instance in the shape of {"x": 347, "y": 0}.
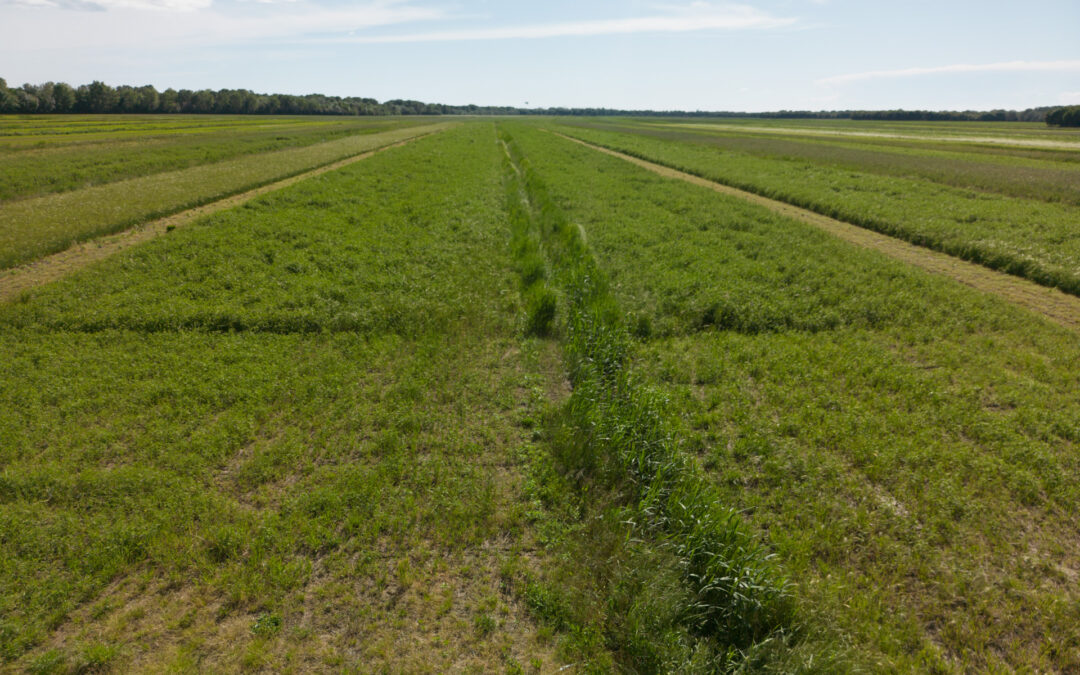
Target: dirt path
{"x": 24, "y": 277}
{"x": 992, "y": 140}
{"x": 1059, "y": 307}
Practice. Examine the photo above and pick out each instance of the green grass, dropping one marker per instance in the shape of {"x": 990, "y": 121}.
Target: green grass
{"x": 1012, "y": 174}
{"x": 60, "y": 167}
{"x": 502, "y": 402}
{"x": 677, "y": 584}
{"x": 1026, "y": 237}
{"x": 908, "y": 447}
{"x": 32, "y": 228}
{"x": 310, "y": 492}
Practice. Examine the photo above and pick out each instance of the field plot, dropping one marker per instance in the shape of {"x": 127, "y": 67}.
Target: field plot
{"x": 1014, "y": 214}
{"x": 286, "y": 438}
{"x": 493, "y": 400}
{"x": 908, "y": 447}
{"x": 31, "y": 228}
{"x": 69, "y": 154}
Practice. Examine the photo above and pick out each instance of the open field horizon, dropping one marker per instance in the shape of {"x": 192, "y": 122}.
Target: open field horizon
{"x": 509, "y": 394}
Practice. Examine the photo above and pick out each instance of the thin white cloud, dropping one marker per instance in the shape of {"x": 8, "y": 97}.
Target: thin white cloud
{"x": 1069, "y": 98}
{"x": 696, "y": 16}
{"x": 1003, "y": 67}
{"x": 105, "y": 5}
{"x": 126, "y": 25}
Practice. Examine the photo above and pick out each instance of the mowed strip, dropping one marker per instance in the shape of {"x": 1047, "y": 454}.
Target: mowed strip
{"x": 32, "y": 228}
{"x": 20, "y": 279}
{"x": 1059, "y": 307}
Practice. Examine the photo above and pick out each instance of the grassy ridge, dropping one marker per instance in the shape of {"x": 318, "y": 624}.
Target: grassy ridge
{"x": 1029, "y": 238}
{"x": 907, "y": 446}
{"x": 711, "y": 598}
{"x": 63, "y": 167}
{"x": 181, "y": 499}
{"x": 33, "y": 228}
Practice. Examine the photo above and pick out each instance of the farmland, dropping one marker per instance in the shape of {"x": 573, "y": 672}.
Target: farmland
{"x": 493, "y": 400}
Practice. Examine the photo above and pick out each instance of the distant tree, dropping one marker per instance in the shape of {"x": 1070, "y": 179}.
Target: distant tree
{"x": 202, "y": 101}
{"x": 7, "y": 99}
{"x": 63, "y": 97}
{"x": 168, "y": 102}
{"x": 96, "y": 97}
{"x": 1067, "y": 116}
{"x": 147, "y": 99}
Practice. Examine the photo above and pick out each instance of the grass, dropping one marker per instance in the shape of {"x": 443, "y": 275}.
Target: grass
{"x": 495, "y": 401}
{"x": 1026, "y": 237}
{"x": 905, "y": 445}
{"x": 687, "y": 589}
{"x": 61, "y": 167}
{"x": 32, "y": 228}
{"x": 1012, "y": 174}
{"x": 304, "y": 491}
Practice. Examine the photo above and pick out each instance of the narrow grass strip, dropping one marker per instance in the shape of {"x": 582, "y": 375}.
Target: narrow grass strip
{"x": 32, "y": 228}
{"x": 737, "y": 597}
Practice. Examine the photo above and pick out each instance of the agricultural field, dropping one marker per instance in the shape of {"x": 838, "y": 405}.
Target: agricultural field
{"x": 492, "y": 400}
{"x": 126, "y": 186}
{"x": 1010, "y": 212}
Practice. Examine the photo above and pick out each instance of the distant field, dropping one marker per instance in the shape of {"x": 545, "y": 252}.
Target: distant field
{"x": 1019, "y": 219}
{"x": 58, "y": 154}
{"x": 31, "y": 228}
{"x": 495, "y": 401}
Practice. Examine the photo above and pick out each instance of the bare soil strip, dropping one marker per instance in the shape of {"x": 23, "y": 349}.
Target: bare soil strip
{"x": 1059, "y": 307}
{"x": 16, "y": 280}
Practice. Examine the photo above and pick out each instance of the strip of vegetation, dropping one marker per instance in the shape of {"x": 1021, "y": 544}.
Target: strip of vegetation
{"x": 32, "y": 228}
{"x": 907, "y": 446}
{"x": 733, "y": 609}
{"x": 63, "y": 167}
{"x": 1028, "y": 238}
{"x": 1012, "y": 175}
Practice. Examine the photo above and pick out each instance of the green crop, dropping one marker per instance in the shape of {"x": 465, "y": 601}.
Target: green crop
{"x": 906, "y": 445}
{"x": 1026, "y": 237}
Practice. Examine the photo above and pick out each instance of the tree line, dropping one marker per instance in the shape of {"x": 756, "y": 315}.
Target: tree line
{"x": 98, "y": 97}
{"x": 1067, "y": 116}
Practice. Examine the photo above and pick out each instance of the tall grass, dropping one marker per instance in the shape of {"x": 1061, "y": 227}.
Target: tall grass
{"x": 735, "y": 594}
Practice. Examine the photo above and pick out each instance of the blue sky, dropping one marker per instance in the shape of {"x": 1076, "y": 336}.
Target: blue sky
{"x": 668, "y": 54}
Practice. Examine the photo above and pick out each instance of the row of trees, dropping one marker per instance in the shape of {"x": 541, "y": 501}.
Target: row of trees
{"x": 1068, "y": 116}
{"x": 98, "y": 97}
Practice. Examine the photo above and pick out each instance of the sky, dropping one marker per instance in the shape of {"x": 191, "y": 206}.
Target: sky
{"x": 630, "y": 54}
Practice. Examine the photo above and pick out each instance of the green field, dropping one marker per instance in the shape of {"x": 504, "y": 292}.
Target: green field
{"x": 1013, "y": 217}
{"x": 58, "y": 156}
{"x": 32, "y": 228}
{"x": 493, "y": 401}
